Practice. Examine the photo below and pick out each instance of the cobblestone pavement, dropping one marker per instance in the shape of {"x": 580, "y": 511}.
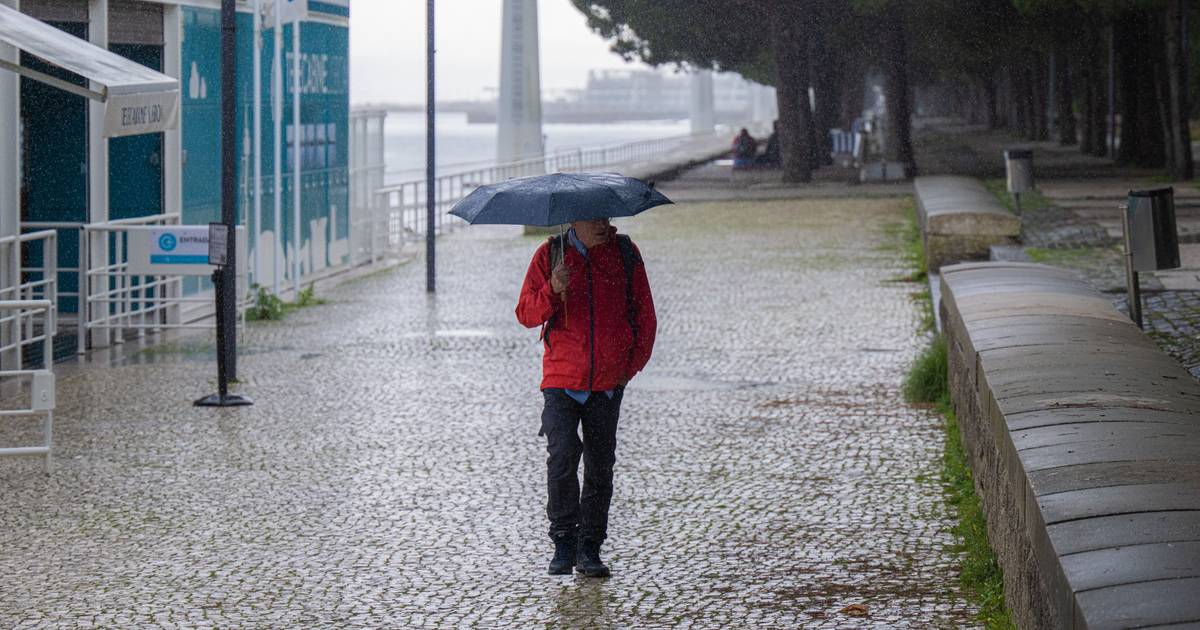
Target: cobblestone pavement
{"x": 390, "y": 473}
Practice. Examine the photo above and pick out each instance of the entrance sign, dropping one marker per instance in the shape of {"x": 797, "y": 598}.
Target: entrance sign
{"x": 179, "y": 250}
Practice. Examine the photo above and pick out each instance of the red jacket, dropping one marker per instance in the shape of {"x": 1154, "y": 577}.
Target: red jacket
{"x": 589, "y": 346}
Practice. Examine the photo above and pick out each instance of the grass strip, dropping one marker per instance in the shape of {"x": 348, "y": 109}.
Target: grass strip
{"x": 928, "y": 383}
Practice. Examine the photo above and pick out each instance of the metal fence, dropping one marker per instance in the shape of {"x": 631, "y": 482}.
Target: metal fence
{"x": 399, "y": 214}
{"x": 115, "y": 299}
{"x": 32, "y": 281}
{"x": 29, "y": 325}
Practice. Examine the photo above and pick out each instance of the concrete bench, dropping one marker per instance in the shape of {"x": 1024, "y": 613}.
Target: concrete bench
{"x": 1084, "y": 440}
{"x": 960, "y": 220}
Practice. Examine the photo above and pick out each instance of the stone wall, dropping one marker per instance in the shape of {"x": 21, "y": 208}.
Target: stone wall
{"x": 1084, "y": 440}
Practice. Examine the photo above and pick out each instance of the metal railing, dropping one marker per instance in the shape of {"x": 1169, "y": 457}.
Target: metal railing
{"x": 38, "y": 282}
{"x": 19, "y": 330}
{"x": 365, "y": 239}
{"x": 120, "y": 301}
{"x": 399, "y": 213}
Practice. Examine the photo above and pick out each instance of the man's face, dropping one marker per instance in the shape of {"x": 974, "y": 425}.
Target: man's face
{"x": 591, "y": 233}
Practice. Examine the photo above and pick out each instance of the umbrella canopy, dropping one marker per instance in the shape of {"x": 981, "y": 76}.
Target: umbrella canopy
{"x": 559, "y": 198}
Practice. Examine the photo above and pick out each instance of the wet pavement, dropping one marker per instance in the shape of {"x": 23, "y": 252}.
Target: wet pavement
{"x": 390, "y": 473}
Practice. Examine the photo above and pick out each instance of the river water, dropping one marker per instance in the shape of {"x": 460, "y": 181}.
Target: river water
{"x": 461, "y": 145}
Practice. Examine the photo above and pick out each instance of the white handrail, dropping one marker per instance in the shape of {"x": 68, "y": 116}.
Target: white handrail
{"x": 19, "y": 324}
{"x": 30, "y": 283}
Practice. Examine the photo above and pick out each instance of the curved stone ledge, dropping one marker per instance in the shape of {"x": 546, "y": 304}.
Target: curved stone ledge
{"x": 960, "y": 220}
{"x": 1084, "y": 441}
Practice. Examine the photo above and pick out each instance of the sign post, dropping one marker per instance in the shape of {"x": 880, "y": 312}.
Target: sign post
{"x": 225, "y": 275}
{"x": 219, "y": 249}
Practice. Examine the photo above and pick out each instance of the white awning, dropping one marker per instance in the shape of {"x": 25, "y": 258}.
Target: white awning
{"x": 137, "y": 99}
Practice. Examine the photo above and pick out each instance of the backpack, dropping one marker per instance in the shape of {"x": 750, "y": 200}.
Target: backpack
{"x": 629, "y": 260}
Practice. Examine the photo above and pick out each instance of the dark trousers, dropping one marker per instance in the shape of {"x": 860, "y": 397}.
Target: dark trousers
{"x": 570, "y": 510}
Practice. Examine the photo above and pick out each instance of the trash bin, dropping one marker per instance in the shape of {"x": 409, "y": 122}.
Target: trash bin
{"x": 1019, "y": 164}
{"x": 1153, "y": 239}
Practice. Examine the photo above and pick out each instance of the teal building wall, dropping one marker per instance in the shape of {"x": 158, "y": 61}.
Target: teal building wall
{"x": 324, "y": 117}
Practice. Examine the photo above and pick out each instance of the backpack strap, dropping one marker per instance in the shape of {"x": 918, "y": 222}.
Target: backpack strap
{"x": 555, "y": 241}
{"x": 630, "y": 260}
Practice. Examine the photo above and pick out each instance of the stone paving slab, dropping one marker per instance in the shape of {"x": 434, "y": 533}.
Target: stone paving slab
{"x": 1110, "y": 532}
{"x": 1132, "y": 564}
{"x": 390, "y": 475}
{"x": 1160, "y": 603}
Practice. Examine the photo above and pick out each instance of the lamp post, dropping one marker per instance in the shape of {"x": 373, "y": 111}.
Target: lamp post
{"x": 430, "y": 167}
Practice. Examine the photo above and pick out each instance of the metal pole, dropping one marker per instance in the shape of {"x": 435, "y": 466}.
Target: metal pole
{"x": 227, "y": 295}
{"x": 277, "y": 118}
{"x": 225, "y": 277}
{"x": 430, "y": 145}
{"x": 1131, "y": 277}
{"x": 1017, "y": 202}
{"x": 257, "y": 138}
{"x": 297, "y": 136}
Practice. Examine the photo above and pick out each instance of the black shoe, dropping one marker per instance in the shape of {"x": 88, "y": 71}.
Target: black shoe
{"x": 588, "y": 562}
{"x": 564, "y": 555}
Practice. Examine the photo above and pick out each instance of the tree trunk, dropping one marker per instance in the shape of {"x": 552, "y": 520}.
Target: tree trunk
{"x": 1087, "y": 85}
{"x": 851, "y": 100}
{"x": 811, "y": 140}
{"x": 791, "y": 97}
{"x": 1099, "y": 86}
{"x": 899, "y": 143}
{"x": 829, "y": 72}
{"x": 990, "y": 115}
{"x": 1180, "y": 144}
{"x": 1065, "y": 100}
{"x": 1040, "y": 89}
{"x": 1141, "y": 126}
{"x": 1026, "y": 107}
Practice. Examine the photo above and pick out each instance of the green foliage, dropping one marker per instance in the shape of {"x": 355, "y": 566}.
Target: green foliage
{"x": 308, "y": 297}
{"x": 982, "y": 579}
{"x": 981, "y": 574}
{"x": 927, "y": 380}
{"x": 914, "y": 246}
{"x": 702, "y": 33}
{"x": 269, "y": 307}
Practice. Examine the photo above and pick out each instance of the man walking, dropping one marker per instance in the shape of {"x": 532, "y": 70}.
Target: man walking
{"x": 589, "y": 293}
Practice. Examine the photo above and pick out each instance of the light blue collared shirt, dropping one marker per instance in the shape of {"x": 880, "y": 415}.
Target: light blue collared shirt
{"x": 581, "y": 396}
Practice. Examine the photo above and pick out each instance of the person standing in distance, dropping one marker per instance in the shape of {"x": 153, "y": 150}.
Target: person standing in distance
{"x": 589, "y": 293}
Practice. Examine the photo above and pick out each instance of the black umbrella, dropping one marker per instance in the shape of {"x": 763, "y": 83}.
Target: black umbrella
{"x": 558, "y": 199}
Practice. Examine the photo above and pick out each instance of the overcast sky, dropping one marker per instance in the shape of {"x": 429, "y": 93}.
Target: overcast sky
{"x": 387, "y": 49}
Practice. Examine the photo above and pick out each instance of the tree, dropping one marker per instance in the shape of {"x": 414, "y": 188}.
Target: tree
{"x": 765, "y": 40}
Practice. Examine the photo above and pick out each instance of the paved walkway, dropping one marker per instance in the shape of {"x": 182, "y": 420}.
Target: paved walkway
{"x": 390, "y": 474}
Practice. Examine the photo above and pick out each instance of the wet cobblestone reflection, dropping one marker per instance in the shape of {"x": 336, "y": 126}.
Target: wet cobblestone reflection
{"x": 390, "y": 474}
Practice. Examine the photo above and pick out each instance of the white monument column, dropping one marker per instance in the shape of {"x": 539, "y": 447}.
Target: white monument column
{"x": 704, "y": 117}
{"x": 519, "y": 111}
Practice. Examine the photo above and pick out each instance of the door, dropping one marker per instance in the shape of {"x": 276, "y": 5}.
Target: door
{"x": 135, "y": 172}
{"x": 54, "y": 145}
